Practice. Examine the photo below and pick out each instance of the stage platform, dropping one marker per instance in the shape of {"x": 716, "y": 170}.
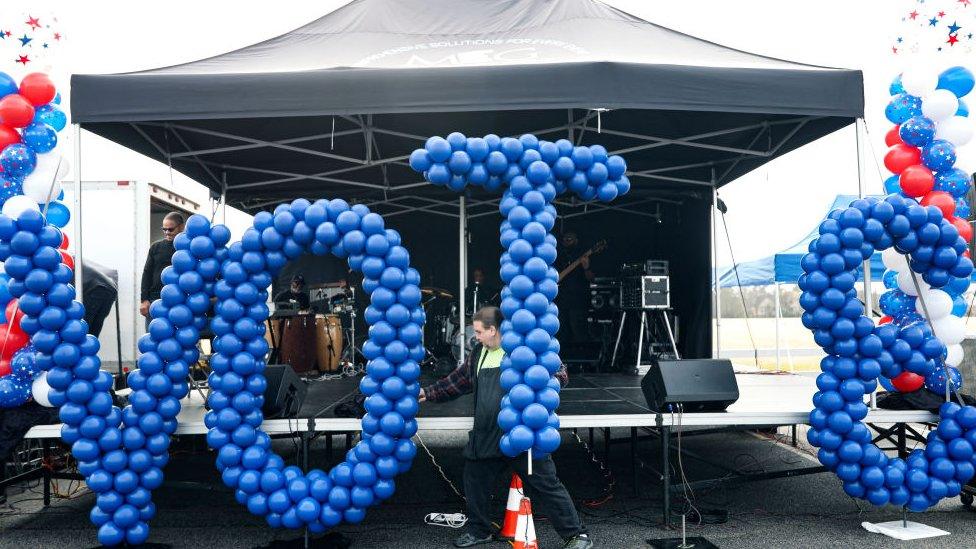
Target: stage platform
{"x": 596, "y": 403}
{"x": 590, "y": 401}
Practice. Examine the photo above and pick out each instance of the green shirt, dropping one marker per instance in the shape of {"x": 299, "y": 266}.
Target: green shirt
{"x": 490, "y": 358}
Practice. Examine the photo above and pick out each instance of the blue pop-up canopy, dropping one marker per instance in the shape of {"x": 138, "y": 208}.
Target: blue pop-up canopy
{"x": 784, "y": 266}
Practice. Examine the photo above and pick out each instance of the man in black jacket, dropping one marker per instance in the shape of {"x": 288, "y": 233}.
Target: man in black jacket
{"x": 160, "y": 256}
{"x": 483, "y": 459}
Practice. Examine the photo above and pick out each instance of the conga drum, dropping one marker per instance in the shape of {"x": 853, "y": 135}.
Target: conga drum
{"x": 328, "y": 342}
{"x": 298, "y": 342}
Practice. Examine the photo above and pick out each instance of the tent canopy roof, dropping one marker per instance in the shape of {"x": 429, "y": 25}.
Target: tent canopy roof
{"x": 336, "y": 105}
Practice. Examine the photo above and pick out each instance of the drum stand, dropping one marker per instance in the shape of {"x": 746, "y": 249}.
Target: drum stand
{"x": 645, "y": 328}
{"x": 349, "y": 353}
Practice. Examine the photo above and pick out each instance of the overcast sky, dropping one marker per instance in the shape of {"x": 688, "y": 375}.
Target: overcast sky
{"x": 789, "y": 194}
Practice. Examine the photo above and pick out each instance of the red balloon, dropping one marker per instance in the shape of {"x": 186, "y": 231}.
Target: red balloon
{"x": 900, "y": 157}
{"x": 37, "y": 88}
{"x": 13, "y": 314}
{"x": 885, "y": 319}
{"x": 16, "y": 111}
{"x": 67, "y": 259}
{"x": 893, "y": 138}
{"x": 907, "y": 382}
{"x": 964, "y": 228}
{"x": 64, "y": 242}
{"x": 4, "y": 367}
{"x": 8, "y": 136}
{"x": 916, "y": 180}
{"x": 11, "y": 340}
{"x": 941, "y": 200}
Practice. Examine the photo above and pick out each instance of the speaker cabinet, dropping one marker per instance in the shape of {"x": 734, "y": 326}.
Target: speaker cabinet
{"x": 699, "y": 385}
{"x": 285, "y": 392}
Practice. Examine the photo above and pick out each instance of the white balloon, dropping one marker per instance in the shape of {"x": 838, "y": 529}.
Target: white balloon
{"x": 894, "y": 260}
{"x": 940, "y": 105}
{"x": 40, "y": 390}
{"x": 950, "y": 329}
{"x": 954, "y": 355}
{"x": 938, "y": 303}
{"x": 920, "y": 81}
{"x": 16, "y": 205}
{"x": 906, "y": 285}
{"x": 42, "y": 184}
{"x": 957, "y": 130}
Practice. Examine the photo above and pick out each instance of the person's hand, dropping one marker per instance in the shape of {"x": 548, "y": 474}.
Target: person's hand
{"x": 422, "y": 397}
{"x": 585, "y": 262}
{"x": 144, "y": 308}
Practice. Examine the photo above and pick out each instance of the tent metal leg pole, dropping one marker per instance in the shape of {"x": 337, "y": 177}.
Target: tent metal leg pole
{"x": 717, "y": 301}
{"x": 223, "y": 197}
{"x": 77, "y": 213}
{"x": 462, "y": 270}
{"x": 776, "y": 289}
{"x": 866, "y": 266}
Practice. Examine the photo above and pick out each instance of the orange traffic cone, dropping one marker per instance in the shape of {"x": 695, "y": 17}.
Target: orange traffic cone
{"x": 512, "y": 509}
{"x": 525, "y": 529}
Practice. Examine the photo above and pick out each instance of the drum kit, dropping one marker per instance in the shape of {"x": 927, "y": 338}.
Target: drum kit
{"x": 443, "y": 334}
{"x": 332, "y": 332}
{"x": 331, "y": 326}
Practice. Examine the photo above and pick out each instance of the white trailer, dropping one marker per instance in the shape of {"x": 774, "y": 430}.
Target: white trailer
{"x": 119, "y": 222}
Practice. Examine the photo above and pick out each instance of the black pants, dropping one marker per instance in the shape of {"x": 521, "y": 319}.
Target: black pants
{"x": 98, "y": 303}
{"x": 543, "y": 487}
{"x": 573, "y": 333}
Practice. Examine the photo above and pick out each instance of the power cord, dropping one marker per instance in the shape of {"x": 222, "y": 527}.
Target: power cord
{"x": 604, "y": 470}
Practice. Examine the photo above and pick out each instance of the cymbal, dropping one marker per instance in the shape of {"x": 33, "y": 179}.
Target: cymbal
{"x": 436, "y": 292}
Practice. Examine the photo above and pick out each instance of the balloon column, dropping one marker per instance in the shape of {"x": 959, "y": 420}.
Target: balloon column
{"x": 30, "y": 167}
{"x": 533, "y": 173}
{"x": 925, "y": 248}
{"x": 858, "y": 352}
{"x": 930, "y": 117}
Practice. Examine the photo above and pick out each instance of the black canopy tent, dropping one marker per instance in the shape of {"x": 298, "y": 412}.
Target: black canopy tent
{"x": 334, "y": 108}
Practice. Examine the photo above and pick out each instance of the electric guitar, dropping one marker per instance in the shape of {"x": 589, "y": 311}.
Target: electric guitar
{"x": 597, "y": 248}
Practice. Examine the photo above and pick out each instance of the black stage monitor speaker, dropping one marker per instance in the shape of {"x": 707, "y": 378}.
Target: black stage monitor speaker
{"x": 285, "y": 392}
{"x": 700, "y": 385}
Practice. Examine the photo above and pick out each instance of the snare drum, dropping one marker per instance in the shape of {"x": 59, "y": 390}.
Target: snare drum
{"x": 328, "y": 342}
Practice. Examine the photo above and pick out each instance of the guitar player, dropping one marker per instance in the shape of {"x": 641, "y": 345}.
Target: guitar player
{"x": 573, "y": 264}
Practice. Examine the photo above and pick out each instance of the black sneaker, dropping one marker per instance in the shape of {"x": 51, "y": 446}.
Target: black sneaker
{"x": 469, "y": 540}
{"x": 581, "y": 541}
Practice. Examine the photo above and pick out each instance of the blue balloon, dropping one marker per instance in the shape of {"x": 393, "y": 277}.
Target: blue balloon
{"x": 895, "y": 87}
{"x": 58, "y": 214}
{"x": 917, "y": 131}
{"x": 939, "y": 155}
{"x": 902, "y": 107}
{"x": 17, "y": 160}
{"x": 953, "y": 181}
{"x": 51, "y": 116}
{"x": 958, "y": 80}
{"x": 40, "y": 137}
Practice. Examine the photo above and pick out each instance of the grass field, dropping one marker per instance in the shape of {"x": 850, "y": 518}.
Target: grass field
{"x": 798, "y": 352}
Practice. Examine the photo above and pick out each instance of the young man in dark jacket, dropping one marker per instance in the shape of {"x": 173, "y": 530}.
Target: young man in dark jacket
{"x": 483, "y": 459}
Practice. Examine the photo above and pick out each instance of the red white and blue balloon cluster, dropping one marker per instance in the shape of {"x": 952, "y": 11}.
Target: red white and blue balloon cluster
{"x": 533, "y": 173}
{"x": 858, "y": 352}
{"x": 30, "y": 167}
{"x": 931, "y": 122}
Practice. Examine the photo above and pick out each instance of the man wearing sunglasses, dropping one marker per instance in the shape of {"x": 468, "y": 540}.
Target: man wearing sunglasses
{"x": 160, "y": 256}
